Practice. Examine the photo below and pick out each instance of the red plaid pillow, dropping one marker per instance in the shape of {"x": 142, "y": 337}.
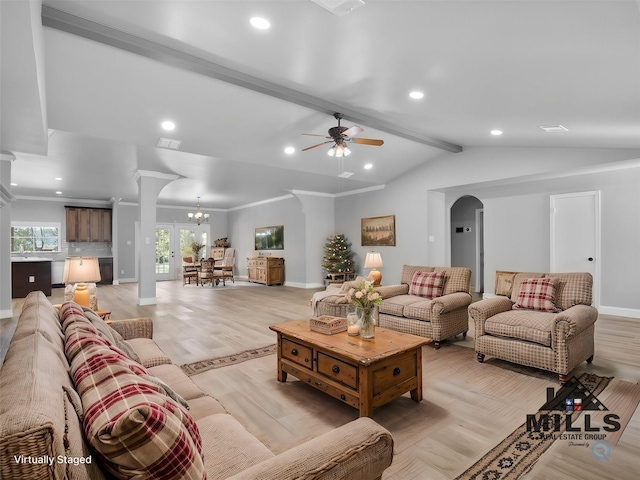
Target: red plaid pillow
{"x": 427, "y": 284}
{"x": 538, "y": 294}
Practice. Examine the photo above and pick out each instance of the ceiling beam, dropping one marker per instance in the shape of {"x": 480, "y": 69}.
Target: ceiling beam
{"x": 60, "y": 20}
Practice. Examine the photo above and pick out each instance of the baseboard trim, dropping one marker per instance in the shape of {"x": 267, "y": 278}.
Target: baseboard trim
{"x": 304, "y": 285}
{"x": 148, "y": 301}
{"x": 619, "y": 312}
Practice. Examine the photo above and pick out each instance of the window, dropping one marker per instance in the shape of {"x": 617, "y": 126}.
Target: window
{"x": 35, "y": 237}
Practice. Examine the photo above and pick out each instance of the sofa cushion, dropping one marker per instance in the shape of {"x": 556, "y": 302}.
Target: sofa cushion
{"x": 137, "y": 430}
{"x": 228, "y": 447}
{"x": 203, "y": 406}
{"x": 427, "y": 284}
{"x": 178, "y": 380}
{"x": 573, "y": 289}
{"x": 39, "y": 316}
{"x": 456, "y": 279}
{"x": 537, "y": 294}
{"x": 410, "y": 306}
{"x": 530, "y": 325}
{"x": 149, "y": 352}
{"x": 419, "y": 309}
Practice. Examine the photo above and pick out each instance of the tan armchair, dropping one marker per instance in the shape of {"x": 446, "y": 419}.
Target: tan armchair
{"x": 547, "y": 325}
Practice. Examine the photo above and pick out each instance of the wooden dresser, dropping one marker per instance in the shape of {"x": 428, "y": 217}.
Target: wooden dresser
{"x": 267, "y": 270}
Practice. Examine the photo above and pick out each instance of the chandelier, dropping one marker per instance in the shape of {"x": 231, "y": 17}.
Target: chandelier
{"x": 198, "y": 217}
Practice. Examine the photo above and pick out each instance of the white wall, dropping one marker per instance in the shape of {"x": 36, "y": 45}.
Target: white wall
{"x": 287, "y": 212}
{"x": 516, "y": 212}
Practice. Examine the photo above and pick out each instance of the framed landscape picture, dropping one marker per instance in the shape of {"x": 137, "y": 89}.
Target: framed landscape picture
{"x": 378, "y": 231}
{"x": 270, "y": 238}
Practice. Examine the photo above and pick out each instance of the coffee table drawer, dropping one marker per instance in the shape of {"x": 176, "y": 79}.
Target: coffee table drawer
{"x": 394, "y": 371}
{"x": 338, "y": 370}
{"x": 297, "y": 353}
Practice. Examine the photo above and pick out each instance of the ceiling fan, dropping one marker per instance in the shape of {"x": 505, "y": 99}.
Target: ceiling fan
{"x": 339, "y": 136}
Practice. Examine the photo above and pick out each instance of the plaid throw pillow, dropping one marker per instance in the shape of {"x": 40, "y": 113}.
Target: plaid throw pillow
{"x": 427, "y": 284}
{"x": 538, "y": 294}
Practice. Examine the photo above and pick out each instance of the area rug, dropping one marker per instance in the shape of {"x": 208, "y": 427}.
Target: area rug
{"x": 517, "y": 453}
{"x": 217, "y": 362}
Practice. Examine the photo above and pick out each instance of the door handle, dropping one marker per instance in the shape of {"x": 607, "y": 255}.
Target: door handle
{"x": 590, "y": 259}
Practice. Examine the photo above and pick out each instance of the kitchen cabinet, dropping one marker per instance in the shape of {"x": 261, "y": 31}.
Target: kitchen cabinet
{"x": 106, "y": 270}
{"x": 88, "y": 224}
{"x": 30, "y": 276}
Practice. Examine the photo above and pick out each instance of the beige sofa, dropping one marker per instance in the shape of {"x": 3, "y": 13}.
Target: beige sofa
{"x": 438, "y": 318}
{"x": 48, "y": 425}
{"x": 550, "y": 326}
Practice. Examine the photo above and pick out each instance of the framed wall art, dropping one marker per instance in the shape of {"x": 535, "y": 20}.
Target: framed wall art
{"x": 270, "y": 238}
{"x": 378, "y": 231}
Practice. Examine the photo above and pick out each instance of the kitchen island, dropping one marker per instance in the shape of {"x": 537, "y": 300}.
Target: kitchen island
{"x": 29, "y": 274}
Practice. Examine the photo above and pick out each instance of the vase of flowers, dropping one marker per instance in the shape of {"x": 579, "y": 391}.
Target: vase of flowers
{"x": 365, "y": 299}
{"x": 195, "y": 248}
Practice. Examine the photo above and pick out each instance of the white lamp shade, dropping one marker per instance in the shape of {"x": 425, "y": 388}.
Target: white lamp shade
{"x": 373, "y": 260}
{"x": 81, "y": 270}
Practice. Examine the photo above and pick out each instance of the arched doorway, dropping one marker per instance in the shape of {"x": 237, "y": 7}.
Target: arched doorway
{"x": 467, "y": 245}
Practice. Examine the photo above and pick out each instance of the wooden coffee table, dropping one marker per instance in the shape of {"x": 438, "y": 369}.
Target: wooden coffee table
{"x": 362, "y": 373}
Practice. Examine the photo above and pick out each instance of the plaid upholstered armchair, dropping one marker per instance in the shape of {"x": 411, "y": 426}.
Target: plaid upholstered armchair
{"x": 546, "y": 321}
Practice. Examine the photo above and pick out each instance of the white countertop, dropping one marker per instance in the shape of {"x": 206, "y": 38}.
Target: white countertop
{"x": 31, "y": 259}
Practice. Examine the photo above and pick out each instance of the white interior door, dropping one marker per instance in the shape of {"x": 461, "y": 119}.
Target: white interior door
{"x": 575, "y": 235}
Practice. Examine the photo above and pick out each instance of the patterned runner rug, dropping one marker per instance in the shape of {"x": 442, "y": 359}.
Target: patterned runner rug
{"x": 217, "y": 362}
{"x": 517, "y": 453}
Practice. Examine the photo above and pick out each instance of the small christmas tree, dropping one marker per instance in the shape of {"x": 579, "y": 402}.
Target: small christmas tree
{"x": 338, "y": 257}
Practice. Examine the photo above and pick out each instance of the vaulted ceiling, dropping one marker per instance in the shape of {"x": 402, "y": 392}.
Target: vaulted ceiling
{"x": 86, "y": 85}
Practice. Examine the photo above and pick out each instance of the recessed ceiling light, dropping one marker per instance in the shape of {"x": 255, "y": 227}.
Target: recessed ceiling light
{"x": 289, "y": 150}
{"x": 58, "y": 193}
{"x": 260, "y": 23}
{"x": 168, "y": 125}
{"x": 58, "y": 178}
{"x": 416, "y": 95}
{"x": 14, "y": 184}
{"x": 368, "y": 166}
{"x": 496, "y": 132}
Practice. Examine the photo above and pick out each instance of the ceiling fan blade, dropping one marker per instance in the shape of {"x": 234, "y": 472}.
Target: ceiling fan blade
{"x": 351, "y": 131}
{"x": 315, "y": 135}
{"x": 314, "y": 146}
{"x": 367, "y": 141}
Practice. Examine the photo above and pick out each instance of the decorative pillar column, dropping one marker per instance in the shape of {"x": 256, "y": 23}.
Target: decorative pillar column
{"x": 150, "y": 184}
{"x": 6, "y": 198}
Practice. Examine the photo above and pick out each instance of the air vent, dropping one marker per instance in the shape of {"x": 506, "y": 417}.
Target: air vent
{"x": 339, "y": 7}
{"x": 169, "y": 143}
{"x": 346, "y": 174}
{"x": 553, "y": 128}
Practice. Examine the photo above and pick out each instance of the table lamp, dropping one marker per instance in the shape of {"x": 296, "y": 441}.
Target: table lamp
{"x": 81, "y": 270}
{"x": 373, "y": 260}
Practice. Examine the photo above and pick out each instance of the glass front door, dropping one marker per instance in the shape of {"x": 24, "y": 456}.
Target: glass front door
{"x": 164, "y": 252}
{"x": 173, "y": 242}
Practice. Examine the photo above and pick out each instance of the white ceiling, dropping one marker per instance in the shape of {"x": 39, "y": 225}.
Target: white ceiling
{"x": 103, "y": 75}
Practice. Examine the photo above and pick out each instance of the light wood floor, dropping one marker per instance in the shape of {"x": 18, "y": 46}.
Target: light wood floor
{"x": 463, "y": 414}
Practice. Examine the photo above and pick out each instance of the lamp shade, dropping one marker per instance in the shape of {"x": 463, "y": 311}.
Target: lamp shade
{"x": 81, "y": 270}
{"x": 373, "y": 260}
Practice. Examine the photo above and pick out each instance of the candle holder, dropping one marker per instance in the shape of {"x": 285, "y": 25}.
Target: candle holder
{"x": 353, "y": 326}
